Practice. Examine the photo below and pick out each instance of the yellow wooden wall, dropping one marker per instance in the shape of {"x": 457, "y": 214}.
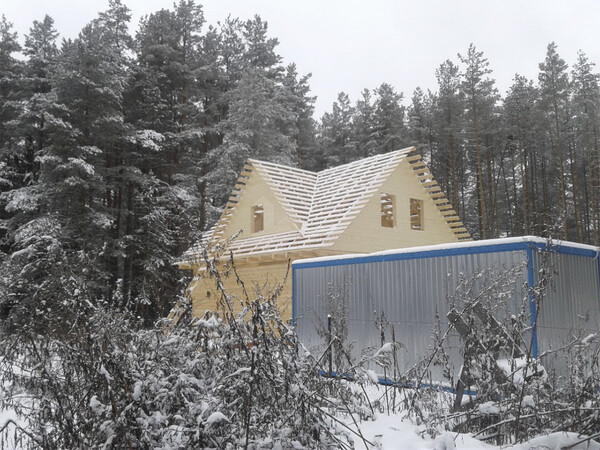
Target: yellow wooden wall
{"x": 365, "y": 234}
{"x": 263, "y": 277}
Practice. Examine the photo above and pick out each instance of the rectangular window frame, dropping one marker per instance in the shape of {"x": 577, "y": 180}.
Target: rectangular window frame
{"x": 257, "y": 218}
{"x": 416, "y": 216}
{"x": 387, "y": 209}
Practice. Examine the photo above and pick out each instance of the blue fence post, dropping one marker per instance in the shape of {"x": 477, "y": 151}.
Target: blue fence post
{"x": 532, "y": 303}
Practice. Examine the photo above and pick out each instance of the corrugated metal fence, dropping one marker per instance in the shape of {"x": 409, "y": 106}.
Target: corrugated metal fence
{"x": 411, "y": 288}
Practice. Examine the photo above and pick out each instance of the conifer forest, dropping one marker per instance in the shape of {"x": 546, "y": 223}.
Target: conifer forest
{"x": 118, "y": 150}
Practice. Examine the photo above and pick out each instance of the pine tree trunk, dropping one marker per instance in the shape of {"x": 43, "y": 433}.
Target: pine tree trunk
{"x": 202, "y": 186}
{"x": 561, "y": 167}
{"x": 518, "y": 216}
{"x": 527, "y": 199}
{"x": 574, "y": 181}
{"x": 492, "y": 199}
{"x": 546, "y": 218}
{"x": 586, "y": 184}
{"x": 480, "y": 188}
{"x": 129, "y": 257}
{"x": 453, "y": 170}
{"x": 575, "y": 195}
{"x": 534, "y": 192}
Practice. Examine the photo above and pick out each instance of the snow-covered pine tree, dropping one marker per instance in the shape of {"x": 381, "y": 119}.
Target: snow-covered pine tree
{"x": 265, "y": 107}
{"x": 419, "y": 122}
{"x": 450, "y": 157}
{"x": 362, "y": 128}
{"x": 554, "y": 96}
{"x": 585, "y": 103}
{"x": 389, "y": 132}
{"x": 480, "y": 97}
{"x": 335, "y": 134}
{"x": 295, "y": 93}
{"x": 522, "y": 119}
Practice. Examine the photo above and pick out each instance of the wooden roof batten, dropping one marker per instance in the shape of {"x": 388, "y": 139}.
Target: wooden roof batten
{"x": 322, "y": 205}
{"x": 439, "y": 198}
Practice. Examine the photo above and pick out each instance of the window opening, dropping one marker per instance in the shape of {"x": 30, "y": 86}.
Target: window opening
{"x": 387, "y": 210}
{"x": 258, "y": 218}
{"x": 416, "y": 214}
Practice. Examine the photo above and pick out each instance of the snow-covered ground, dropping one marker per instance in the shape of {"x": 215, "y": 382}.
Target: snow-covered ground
{"x": 389, "y": 432}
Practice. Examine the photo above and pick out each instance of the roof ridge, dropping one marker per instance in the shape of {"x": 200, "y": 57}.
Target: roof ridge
{"x": 282, "y": 166}
{"x": 368, "y": 159}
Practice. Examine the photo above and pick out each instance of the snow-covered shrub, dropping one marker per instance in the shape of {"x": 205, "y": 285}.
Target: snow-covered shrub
{"x": 503, "y": 393}
{"x": 239, "y": 380}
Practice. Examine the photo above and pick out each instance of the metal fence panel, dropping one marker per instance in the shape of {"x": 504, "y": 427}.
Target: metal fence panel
{"x": 569, "y": 306}
{"x": 408, "y": 292}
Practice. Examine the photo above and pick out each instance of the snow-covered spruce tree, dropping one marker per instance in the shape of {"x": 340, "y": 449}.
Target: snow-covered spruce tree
{"x": 335, "y": 133}
{"x": 362, "y": 128}
{"x": 388, "y": 133}
{"x": 11, "y": 172}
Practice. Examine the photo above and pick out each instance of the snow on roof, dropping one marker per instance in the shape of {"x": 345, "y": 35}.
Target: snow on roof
{"x": 322, "y": 205}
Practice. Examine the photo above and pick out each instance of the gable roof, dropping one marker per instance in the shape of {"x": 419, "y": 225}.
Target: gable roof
{"x": 322, "y": 205}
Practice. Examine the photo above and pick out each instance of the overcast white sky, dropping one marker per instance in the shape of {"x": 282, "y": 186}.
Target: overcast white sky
{"x": 349, "y": 45}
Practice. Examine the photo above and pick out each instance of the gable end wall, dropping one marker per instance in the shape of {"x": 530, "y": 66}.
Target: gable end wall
{"x": 365, "y": 234}
{"x": 256, "y": 191}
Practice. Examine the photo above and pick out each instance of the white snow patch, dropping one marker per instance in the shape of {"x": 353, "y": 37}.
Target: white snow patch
{"x": 24, "y": 199}
{"x": 90, "y": 150}
{"x": 528, "y": 401}
{"x": 216, "y": 417}
{"x": 557, "y": 441}
{"x": 238, "y": 372}
{"x": 104, "y": 372}
{"x": 385, "y": 349}
{"x": 211, "y": 323}
{"x": 515, "y": 367}
{"x": 588, "y": 338}
{"x": 82, "y": 166}
{"x": 372, "y": 375}
{"x": 96, "y": 405}
{"x": 137, "y": 391}
{"x": 489, "y": 408}
{"x": 149, "y": 139}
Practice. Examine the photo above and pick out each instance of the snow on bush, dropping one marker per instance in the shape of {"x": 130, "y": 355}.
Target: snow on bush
{"x": 95, "y": 379}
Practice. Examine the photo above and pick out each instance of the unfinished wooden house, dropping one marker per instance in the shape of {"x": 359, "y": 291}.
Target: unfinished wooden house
{"x": 282, "y": 214}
